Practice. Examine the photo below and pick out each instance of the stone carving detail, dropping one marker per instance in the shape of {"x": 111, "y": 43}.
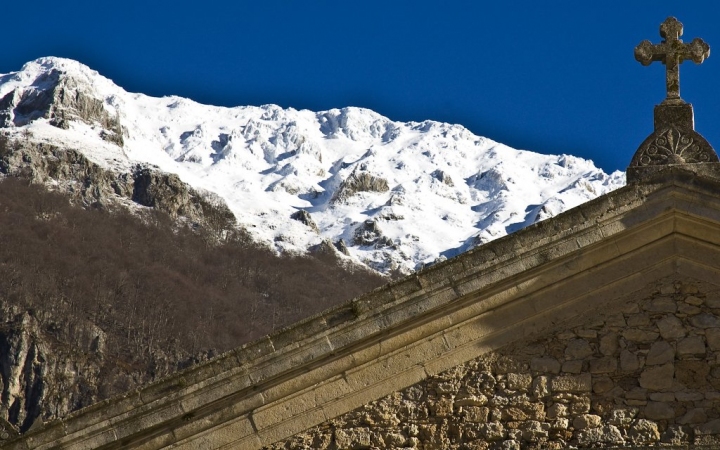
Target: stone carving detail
{"x": 672, "y": 52}
{"x": 674, "y": 140}
{"x": 674, "y": 146}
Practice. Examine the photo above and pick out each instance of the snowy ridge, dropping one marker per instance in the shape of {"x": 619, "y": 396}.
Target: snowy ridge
{"x": 400, "y": 195}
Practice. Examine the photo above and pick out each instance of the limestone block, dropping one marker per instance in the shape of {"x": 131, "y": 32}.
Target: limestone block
{"x": 493, "y": 431}
{"x": 541, "y": 386}
{"x": 658, "y": 377}
{"x": 662, "y": 396}
{"x": 689, "y": 396}
{"x": 629, "y": 361}
{"x": 587, "y": 334}
{"x": 477, "y": 414}
{"x": 606, "y": 364}
{"x": 713, "y": 302}
{"x": 661, "y": 304}
{"x": 560, "y": 424}
{"x": 511, "y": 444}
{"x": 519, "y": 381}
{"x": 667, "y": 289}
{"x": 622, "y": 417}
{"x": 643, "y": 432}
{"x": 705, "y": 320}
{"x": 692, "y": 300}
{"x": 578, "y": 349}
{"x": 687, "y": 288}
{"x": 354, "y": 438}
{"x": 694, "y": 416}
{"x": 584, "y": 421}
{"x": 671, "y": 327}
{"x": 571, "y": 383}
{"x": 676, "y": 435}
{"x": 659, "y": 411}
{"x": 556, "y": 411}
{"x": 574, "y": 366}
{"x": 713, "y": 338}
{"x": 443, "y": 407}
{"x": 608, "y": 434}
{"x": 471, "y": 400}
{"x": 692, "y": 374}
{"x": 533, "y": 430}
{"x": 602, "y": 385}
{"x": 609, "y": 344}
{"x": 545, "y": 365}
{"x": 637, "y": 335}
{"x": 638, "y": 320}
{"x": 691, "y": 346}
{"x": 688, "y": 310}
{"x": 660, "y": 352}
{"x": 712, "y": 427}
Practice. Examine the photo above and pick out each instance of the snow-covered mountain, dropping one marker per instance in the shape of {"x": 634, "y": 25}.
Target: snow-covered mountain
{"x": 393, "y": 195}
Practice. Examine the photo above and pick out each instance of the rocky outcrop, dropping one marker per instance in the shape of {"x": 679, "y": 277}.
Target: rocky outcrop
{"x": 91, "y": 185}
{"x": 359, "y": 182}
{"x": 305, "y": 218}
{"x": 60, "y": 99}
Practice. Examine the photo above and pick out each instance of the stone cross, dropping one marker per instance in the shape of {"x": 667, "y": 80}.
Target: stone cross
{"x": 672, "y": 52}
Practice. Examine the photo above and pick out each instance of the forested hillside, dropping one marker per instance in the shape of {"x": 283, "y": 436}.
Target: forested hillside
{"x": 96, "y": 302}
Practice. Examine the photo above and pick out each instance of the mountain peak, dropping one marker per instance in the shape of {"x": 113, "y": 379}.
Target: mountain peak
{"x": 396, "y": 195}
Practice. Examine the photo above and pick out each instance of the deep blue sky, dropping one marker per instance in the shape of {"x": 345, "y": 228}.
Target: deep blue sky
{"x": 547, "y": 76}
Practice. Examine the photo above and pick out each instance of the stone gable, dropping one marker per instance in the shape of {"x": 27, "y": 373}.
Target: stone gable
{"x": 642, "y": 372}
{"x": 418, "y": 343}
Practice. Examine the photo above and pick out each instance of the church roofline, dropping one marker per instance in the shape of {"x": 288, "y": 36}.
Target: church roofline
{"x": 249, "y": 381}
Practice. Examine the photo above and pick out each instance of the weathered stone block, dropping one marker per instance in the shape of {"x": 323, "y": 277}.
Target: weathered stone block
{"x": 609, "y": 344}
{"x": 477, "y": 414}
{"x": 602, "y": 385}
{"x": 541, "y": 386}
{"x": 519, "y": 381}
{"x": 571, "y": 383}
{"x": 354, "y": 438}
{"x": 578, "y": 349}
{"x": 622, "y": 417}
{"x": 671, "y": 328}
{"x": 545, "y": 365}
{"x": 574, "y": 366}
{"x": 691, "y": 346}
{"x": 694, "y": 416}
{"x": 661, "y": 304}
{"x": 493, "y": 431}
{"x": 658, "y": 377}
{"x": 693, "y": 374}
{"x": 608, "y": 434}
{"x": 637, "y": 335}
{"x": 659, "y": 411}
{"x": 705, "y": 320}
{"x": 629, "y": 361}
{"x": 713, "y": 338}
{"x": 660, "y": 352}
{"x": 606, "y": 364}
{"x": 643, "y": 432}
{"x": 556, "y": 411}
{"x": 584, "y": 421}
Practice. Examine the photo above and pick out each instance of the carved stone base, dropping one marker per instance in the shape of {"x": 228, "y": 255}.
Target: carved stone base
{"x": 651, "y": 173}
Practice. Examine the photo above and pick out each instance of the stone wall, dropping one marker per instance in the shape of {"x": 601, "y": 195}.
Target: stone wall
{"x": 643, "y": 373}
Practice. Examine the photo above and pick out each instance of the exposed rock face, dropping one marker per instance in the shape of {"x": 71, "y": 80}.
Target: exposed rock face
{"x": 60, "y": 99}
{"x": 645, "y": 375}
{"x": 92, "y": 185}
{"x": 304, "y": 217}
{"x": 359, "y": 182}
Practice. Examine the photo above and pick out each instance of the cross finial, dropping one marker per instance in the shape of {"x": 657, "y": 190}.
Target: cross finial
{"x": 672, "y": 52}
